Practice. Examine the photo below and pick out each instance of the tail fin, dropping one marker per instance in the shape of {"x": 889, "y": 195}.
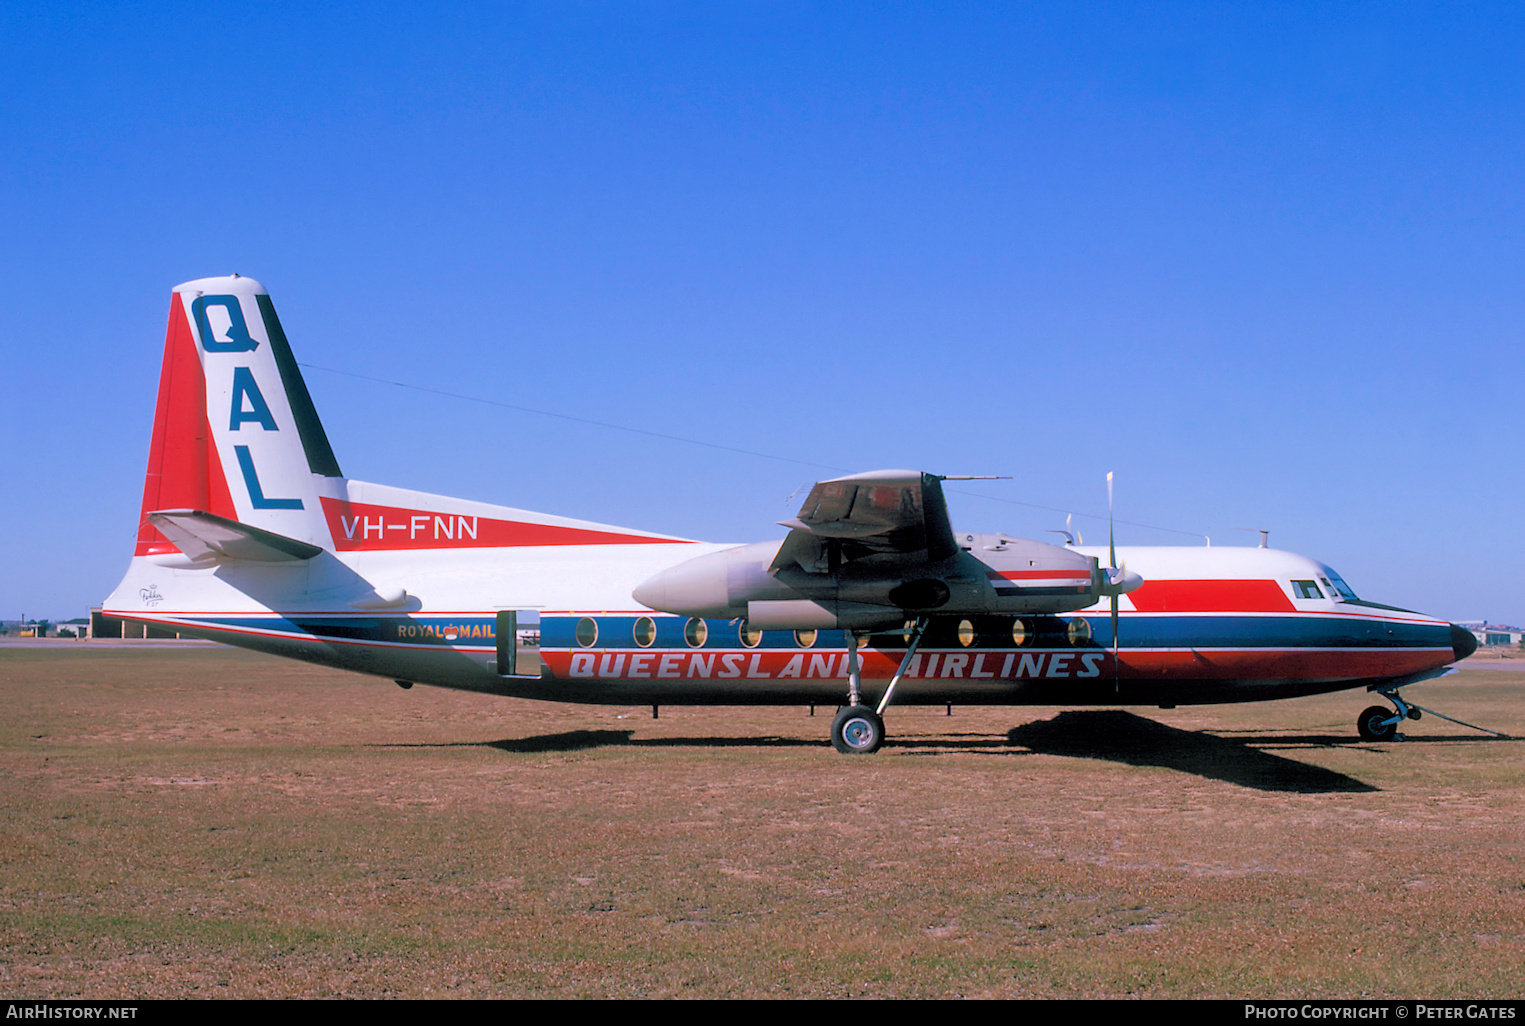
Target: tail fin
{"x": 235, "y": 432}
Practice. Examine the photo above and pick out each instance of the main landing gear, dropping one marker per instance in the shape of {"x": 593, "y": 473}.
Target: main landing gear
{"x": 857, "y": 729}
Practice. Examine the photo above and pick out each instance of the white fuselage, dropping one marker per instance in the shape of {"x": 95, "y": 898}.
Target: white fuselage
{"x": 250, "y": 534}
{"x": 1209, "y": 625}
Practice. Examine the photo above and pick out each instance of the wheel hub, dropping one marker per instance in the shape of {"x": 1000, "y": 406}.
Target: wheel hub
{"x": 858, "y": 732}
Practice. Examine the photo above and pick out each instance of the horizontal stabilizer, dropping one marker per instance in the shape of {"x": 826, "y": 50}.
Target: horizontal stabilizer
{"x": 206, "y": 538}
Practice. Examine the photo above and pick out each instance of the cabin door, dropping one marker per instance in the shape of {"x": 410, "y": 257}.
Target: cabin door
{"x": 518, "y": 634}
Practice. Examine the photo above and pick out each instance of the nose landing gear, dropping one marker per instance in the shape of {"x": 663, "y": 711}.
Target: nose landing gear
{"x": 1377, "y": 724}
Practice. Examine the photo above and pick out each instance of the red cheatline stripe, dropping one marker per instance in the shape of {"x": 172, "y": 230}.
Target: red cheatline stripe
{"x": 1156, "y": 596}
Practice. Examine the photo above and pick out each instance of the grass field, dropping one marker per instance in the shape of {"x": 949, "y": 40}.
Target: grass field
{"x": 204, "y": 822}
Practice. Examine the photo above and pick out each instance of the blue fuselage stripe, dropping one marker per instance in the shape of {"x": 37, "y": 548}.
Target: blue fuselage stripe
{"x": 1200, "y": 631}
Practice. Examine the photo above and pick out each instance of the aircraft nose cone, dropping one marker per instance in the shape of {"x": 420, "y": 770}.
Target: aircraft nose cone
{"x": 1463, "y": 641}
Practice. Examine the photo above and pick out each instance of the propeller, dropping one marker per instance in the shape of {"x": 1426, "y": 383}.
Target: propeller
{"x": 1119, "y": 580}
{"x": 1112, "y": 577}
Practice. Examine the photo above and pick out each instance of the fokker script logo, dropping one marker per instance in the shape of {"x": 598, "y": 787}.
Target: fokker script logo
{"x": 150, "y": 595}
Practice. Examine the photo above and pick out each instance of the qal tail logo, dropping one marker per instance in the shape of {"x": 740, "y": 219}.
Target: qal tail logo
{"x": 220, "y": 319}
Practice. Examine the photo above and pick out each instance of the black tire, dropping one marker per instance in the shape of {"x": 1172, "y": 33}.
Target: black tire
{"x": 1371, "y": 727}
{"x": 857, "y": 730}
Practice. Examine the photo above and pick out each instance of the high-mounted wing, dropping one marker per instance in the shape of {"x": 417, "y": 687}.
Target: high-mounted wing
{"x": 884, "y": 512}
{"x": 869, "y": 551}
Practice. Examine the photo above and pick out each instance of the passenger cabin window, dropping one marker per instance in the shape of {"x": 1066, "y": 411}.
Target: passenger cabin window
{"x": 587, "y": 632}
{"x": 1020, "y": 635}
{"x": 1307, "y": 589}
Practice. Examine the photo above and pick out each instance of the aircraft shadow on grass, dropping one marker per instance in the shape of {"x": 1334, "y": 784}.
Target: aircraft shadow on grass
{"x": 1100, "y": 734}
{"x": 577, "y": 740}
{"x": 1113, "y": 735}
{"x": 1124, "y": 737}
{"x": 582, "y": 740}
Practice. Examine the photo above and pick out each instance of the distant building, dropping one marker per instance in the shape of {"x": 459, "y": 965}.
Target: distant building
{"x": 26, "y": 628}
{"x": 103, "y": 626}
{"x": 44, "y": 628}
{"x": 1494, "y": 633}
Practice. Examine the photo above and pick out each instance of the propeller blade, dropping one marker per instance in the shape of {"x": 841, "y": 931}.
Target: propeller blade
{"x": 1112, "y": 565}
{"x": 1111, "y": 540}
{"x": 1116, "y": 685}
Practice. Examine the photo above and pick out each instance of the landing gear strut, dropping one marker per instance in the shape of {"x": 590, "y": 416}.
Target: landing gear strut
{"x": 857, "y": 729}
{"x": 1377, "y": 724}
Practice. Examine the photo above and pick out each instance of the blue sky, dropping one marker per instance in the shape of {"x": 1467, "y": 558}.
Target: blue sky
{"x": 1263, "y": 261}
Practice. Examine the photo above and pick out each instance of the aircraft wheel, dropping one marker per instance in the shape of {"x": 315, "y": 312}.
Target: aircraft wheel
{"x": 857, "y": 730}
{"x": 1371, "y": 726}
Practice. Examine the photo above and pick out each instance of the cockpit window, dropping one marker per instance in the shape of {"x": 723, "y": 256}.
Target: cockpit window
{"x": 1307, "y": 589}
{"x": 1337, "y": 586}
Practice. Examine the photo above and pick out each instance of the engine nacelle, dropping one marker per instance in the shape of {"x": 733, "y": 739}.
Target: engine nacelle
{"x": 805, "y": 615}
{"x": 988, "y": 575}
{"x": 718, "y": 585}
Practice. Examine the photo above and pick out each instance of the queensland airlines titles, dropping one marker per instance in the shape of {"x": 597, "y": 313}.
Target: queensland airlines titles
{"x": 962, "y": 665}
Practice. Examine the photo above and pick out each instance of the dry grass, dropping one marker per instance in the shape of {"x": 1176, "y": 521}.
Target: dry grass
{"x": 207, "y": 822}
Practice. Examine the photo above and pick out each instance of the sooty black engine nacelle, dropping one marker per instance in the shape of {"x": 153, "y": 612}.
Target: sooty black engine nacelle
{"x": 789, "y": 585}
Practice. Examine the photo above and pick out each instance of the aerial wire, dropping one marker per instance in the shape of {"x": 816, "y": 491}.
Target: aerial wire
{"x": 699, "y": 442}
{"x": 574, "y": 419}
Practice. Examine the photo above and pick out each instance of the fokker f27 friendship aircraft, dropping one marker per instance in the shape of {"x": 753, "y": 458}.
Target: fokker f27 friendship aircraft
{"x": 251, "y": 535}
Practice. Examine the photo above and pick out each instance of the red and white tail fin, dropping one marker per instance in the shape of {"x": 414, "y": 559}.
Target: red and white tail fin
{"x": 235, "y": 432}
